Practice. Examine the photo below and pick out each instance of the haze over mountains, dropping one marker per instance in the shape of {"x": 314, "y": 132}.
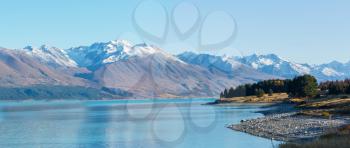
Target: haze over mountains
{"x": 127, "y": 70}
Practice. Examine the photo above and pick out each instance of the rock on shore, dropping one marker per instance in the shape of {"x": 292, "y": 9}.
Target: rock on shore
{"x": 288, "y": 126}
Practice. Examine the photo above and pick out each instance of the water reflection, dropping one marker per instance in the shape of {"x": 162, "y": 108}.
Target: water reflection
{"x": 170, "y": 123}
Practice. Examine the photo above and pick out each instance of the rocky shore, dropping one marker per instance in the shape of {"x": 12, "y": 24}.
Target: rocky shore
{"x": 289, "y": 126}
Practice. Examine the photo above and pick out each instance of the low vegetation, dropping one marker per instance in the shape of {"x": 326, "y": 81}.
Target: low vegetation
{"x": 339, "y": 139}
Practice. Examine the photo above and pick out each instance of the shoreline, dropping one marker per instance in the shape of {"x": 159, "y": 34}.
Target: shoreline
{"x": 292, "y": 119}
{"x": 289, "y": 126}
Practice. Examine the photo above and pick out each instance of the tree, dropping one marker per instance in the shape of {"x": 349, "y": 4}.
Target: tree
{"x": 270, "y": 92}
{"x": 231, "y": 92}
{"x": 259, "y": 92}
{"x": 336, "y": 87}
{"x": 304, "y": 86}
{"x": 225, "y": 93}
{"x": 301, "y": 86}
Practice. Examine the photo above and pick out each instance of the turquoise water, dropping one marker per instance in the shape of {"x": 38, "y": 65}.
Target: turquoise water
{"x": 125, "y": 123}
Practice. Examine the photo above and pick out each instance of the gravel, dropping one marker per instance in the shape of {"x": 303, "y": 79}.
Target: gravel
{"x": 288, "y": 126}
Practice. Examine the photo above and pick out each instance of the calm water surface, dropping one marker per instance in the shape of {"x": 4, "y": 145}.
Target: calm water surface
{"x": 125, "y": 123}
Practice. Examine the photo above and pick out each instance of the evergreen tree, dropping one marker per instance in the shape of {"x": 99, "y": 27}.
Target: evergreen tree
{"x": 231, "y": 92}
{"x": 225, "y": 93}
{"x": 259, "y": 92}
{"x": 270, "y": 92}
{"x": 301, "y": 86}
{"x": 304, "y": 86}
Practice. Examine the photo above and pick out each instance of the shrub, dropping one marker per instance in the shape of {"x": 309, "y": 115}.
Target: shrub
{"x": 326, "y": 114}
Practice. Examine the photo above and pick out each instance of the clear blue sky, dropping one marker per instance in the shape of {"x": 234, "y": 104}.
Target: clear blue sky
{"x": 313, "y": 31}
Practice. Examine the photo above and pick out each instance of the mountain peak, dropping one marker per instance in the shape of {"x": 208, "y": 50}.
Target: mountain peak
{"x": 29, "y": 48}
{"x": 273, "y": 56}
{"x": 334, "y": 62}
{"x": 50, "y": 55}
{"x": 110, "y": 52}
{"x": 120, "y": 42}
{"x": 44, "y": 46}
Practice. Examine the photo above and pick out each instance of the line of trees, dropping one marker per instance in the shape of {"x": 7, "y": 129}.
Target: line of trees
{"x": 301, "y": 86}
{"x": 336, "y": 87}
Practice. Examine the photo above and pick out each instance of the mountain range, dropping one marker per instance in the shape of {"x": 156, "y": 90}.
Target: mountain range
{"x": 121, "y": 69}
{"x": 275, "y": 65}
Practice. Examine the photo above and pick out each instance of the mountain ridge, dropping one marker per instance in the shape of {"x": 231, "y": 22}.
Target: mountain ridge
{"x": 146, "y": 71}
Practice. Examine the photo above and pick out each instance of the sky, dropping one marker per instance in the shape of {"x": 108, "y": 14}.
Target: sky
{"x": 305, "y": 31}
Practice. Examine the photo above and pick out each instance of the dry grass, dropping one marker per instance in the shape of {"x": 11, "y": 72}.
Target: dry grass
{"x": 276, "y": 97}
{"x": 318, "y": 113}
{"x": 327, "y": 103}
{"x": 297, "y": 100}
{"x": 326, "y": 106}
{"x": 339, "y": 139}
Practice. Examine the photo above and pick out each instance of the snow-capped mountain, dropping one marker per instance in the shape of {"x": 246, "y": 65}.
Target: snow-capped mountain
{"x": 208, "y": 61}
{"x": 225, "y": 64}
{"x": 148, "y": 71}
{"x": 332, "y": 71}
{"x": 49, "y": 55}
{"x": 99, "y": 54}
{"x": 22, "y": 68}
{"x": 270, "y": 64}
{"x": 275, "y": 65}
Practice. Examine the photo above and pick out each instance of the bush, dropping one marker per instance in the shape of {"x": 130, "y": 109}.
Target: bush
{"x": 326, "y": 114}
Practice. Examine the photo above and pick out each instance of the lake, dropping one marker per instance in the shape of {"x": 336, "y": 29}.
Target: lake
{"x": 126, "y": 123}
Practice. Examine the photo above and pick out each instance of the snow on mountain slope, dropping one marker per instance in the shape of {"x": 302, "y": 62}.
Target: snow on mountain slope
{"x": 269, "y": 64}
{"x": 275, "y": 65}
{"x": 147, "y": 70}
{"x": 49, "y": 55}
{"x": 331, "y": 72}
{"x": 229, "y": 65}
{"x": 158, "y": 75}
{"x": 206, "y": 60}
{"x": 99, "y": 54}
{"x": 21, "y": 69}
